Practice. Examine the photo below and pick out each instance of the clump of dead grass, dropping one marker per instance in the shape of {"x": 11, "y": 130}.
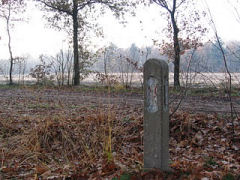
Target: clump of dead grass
{"x": 60, "y": 140}
{"x": 67, "y": 138}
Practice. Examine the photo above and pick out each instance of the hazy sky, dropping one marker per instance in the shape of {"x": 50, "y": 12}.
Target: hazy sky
{"x": 35, "y": 38}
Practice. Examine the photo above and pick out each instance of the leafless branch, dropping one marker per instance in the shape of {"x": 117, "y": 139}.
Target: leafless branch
{"x": 183, "y": 1}
{"x": 229, "y": 92}
{"x": 56, "y": 7}
{"x": 163, "y": 4}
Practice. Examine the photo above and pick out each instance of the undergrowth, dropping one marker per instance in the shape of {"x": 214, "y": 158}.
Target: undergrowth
{"x": 43, "y": 137}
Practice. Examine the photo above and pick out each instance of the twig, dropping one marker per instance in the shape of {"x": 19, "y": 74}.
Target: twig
{"x": 229, "y": 92}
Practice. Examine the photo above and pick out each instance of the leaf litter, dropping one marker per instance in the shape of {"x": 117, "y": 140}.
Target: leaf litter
{"x": 44, "y": 137}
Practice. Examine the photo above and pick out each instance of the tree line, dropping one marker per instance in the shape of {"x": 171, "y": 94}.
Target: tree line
{"x": 185, "y": 34}
{"x": 124, "y": 63}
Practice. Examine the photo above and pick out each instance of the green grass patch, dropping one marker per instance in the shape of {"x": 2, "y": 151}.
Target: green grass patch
{"x": 43, "y": 106}
{"x": 7, "y": 86}
{"x": 124, "y": 176}
{"x": 228, "y": 177}
{"x": 205, "y": 91}
{"x": 209, "y": 161}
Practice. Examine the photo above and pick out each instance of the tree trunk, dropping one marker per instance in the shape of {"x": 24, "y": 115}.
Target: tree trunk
{"x": 176, "y": 52}
{"x": 63, "y": 69}
{"x": 105, "y": 62}
{"x": 75, "y": 44}
{"x": 9, "y": 49}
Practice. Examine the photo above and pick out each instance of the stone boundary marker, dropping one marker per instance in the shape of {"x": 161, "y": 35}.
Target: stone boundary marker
{"x": 156, "y": 115}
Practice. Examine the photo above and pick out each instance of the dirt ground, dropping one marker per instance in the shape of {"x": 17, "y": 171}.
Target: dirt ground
{"x": 58, "y": 133}
{"x": 205, "y": 104}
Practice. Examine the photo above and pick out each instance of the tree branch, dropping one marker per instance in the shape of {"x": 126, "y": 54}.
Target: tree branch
{"x": 163, "y": 4}
{"x": 56, "y": 7}
{"x": 180, "y": 4}
{"x": 83, "y": 5}
{"x": 90, "y": 2}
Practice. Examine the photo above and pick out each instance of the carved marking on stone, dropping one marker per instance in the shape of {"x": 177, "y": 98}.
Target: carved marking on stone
{"x": 152, "y": 106}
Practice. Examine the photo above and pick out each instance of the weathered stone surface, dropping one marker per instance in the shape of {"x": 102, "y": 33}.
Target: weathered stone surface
{"x": 156, "y": 115}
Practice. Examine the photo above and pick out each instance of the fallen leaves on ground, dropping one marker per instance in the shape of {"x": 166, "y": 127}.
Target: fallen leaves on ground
{"x": 44, "y": 137}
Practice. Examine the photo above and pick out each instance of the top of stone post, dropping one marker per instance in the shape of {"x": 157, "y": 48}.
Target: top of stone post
{"x": 157, "y": 62}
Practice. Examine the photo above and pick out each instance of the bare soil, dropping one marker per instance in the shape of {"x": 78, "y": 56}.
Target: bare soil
{"x": 207, "y": 104}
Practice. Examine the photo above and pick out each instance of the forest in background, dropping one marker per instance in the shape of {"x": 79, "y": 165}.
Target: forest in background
{"x": 111, "y": 59}
{"x": 186, "y": 47}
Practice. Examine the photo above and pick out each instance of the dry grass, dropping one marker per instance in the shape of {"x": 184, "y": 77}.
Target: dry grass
{"x": 59, "y": 143}
{"x": 64, "y": 138}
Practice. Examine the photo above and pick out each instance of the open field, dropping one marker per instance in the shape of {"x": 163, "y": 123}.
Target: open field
{"x": 199, "y": 79}
{"x": 87, "y": 133}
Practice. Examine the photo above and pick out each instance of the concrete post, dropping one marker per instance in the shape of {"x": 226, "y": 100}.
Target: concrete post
{"x": 156, "y": 115}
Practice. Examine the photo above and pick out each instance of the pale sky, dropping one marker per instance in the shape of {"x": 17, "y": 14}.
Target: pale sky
{"x": 34, "y": 38}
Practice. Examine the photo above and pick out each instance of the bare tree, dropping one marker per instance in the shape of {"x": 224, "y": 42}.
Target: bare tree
{"x": 179, "y": 20}
{"x": 21, "y": 63}
{"x": 109, "y": 58}
{"x": 229, "y": 87}
{"x": 69, "y": 65}
{"x": 62, "y": 66}
{"x": 8, "y": 11}
{"x": 172, "y": 11}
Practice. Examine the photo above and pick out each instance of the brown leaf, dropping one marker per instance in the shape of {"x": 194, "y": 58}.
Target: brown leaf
{"x": 7, "y": 169}
{"x": 40, "y": 169}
